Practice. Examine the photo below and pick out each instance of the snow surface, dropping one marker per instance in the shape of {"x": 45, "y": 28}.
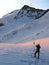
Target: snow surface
{"x": 22, "y": 54}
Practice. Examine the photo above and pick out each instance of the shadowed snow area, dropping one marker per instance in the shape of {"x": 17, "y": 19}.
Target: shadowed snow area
{"x": 22, "y": 54}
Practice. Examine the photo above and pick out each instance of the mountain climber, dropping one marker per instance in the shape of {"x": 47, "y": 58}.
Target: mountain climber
{"x": 37, "y": 50}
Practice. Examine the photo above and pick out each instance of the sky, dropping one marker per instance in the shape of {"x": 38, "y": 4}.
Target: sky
{"x": 7, "y": 6}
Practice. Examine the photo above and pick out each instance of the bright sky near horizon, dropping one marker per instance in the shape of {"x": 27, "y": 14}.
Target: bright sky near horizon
{"x": 6, "y": 6}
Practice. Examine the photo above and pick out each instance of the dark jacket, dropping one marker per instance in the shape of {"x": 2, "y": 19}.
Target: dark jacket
{"x": 38, "y": 48}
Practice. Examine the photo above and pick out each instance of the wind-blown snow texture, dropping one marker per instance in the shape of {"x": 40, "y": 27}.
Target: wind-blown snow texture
{"x": 24, "y": 25}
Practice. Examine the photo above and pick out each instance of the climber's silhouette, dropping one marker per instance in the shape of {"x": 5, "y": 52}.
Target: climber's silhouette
{"x": 37, "y": 50}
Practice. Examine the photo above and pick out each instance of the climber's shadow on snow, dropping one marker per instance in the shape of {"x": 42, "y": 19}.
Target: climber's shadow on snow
{"x": 35, "y": 61}
{"x": 27, "y": 61}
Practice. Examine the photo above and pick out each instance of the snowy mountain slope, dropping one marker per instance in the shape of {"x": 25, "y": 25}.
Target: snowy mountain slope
{"x": 24, "y": 28}
{"x": 9, "y": 17}
{"x": 23, "y": 54}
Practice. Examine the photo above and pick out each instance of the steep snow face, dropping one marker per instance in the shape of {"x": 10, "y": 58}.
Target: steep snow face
{"x": 44, "y": 21}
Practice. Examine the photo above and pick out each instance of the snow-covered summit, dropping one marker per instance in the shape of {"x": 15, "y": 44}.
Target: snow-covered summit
{"x": 29, "y": 12}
